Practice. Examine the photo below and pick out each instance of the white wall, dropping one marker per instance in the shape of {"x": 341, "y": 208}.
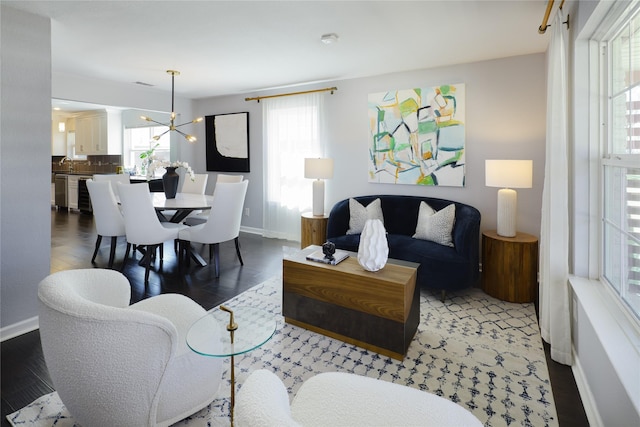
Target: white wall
{"x": 25, "y": 161}
{"x": 28, "y": 85}
{"x": 505, "y": 110}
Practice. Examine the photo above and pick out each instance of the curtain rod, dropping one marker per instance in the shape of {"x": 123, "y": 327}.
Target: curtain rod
{"x": 327, "y": 89}
{"x": 543, "y": 27}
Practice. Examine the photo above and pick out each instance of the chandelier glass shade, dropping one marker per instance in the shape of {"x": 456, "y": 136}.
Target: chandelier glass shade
{"x": 172, "y": 126}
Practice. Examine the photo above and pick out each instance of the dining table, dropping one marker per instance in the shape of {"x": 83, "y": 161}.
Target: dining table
{"x": 183, "y": 204}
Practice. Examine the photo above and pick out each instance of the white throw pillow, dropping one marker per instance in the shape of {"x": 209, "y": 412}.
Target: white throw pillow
{"x": 358, "y": 214}
{"x": 436, "y": 226}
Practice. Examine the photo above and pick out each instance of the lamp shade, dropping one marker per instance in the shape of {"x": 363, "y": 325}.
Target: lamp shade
{"x": 318, "y": 168}
{"x": 509, "y": 173}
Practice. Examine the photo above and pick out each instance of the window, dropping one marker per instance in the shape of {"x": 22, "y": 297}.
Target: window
{"x": 293, "y": 131}
{"x": 140, "y": 139}
{"x": 620, "y": 162}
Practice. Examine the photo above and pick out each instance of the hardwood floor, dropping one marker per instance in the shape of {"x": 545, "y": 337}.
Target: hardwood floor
{"x": 24, "y": 373}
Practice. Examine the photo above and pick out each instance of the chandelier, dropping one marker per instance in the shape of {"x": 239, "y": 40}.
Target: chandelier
{"x": 172, "y": 126}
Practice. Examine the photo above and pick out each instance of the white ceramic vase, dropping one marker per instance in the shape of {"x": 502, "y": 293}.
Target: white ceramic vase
{"x": 373, "y": 251}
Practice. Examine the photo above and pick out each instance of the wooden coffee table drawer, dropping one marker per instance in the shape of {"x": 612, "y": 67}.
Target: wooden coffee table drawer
{"x": 379, "y": 311}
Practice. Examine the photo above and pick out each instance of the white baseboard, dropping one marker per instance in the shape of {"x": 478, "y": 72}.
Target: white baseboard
{"x": 251, "y": 230}
{"x": 19, "y": 328}
{"x": 588, "y": 401}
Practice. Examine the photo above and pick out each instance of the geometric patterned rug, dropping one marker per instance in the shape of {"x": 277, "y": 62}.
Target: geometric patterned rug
{"x": 482, "y": 353}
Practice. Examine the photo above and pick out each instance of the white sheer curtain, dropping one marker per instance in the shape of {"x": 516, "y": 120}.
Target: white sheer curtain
{"x": 293, "y": 129}
{"x": 555, "y": 322}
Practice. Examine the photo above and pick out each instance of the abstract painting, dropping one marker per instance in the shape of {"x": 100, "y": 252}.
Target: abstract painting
{"x": 227, "y": 142}
{"x": 417, "y": 136}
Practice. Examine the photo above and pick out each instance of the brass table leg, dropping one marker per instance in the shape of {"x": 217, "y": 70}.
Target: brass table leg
{"x": 231, "y": 328}
{"x": 233, "y": 389}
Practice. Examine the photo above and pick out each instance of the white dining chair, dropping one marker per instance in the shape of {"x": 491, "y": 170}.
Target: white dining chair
{"x": 197, "y": 185}
{"x": 107, "y": 216}
{"x": 223, "y": 223}
{"x": 113, "y": 179}
{"x": 201, "y": 217}
{"x": 142, "y": 226}
{"x": 221, "y": 177}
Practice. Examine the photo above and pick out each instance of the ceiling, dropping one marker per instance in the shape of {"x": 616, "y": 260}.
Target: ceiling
{"x": 234, "y": 47}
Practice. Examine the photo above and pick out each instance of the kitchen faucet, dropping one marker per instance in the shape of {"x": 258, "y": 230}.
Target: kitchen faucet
{"x": 67, "y": 160}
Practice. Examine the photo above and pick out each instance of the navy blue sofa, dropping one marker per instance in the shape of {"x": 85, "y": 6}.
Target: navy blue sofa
{"x": 442, "y": 268}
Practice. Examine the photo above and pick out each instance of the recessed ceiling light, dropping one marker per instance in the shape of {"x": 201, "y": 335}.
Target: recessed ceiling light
{"x": 329, "y": 38}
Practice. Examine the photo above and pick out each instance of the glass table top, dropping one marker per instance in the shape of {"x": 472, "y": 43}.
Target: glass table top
{"x": 209, "y": 335}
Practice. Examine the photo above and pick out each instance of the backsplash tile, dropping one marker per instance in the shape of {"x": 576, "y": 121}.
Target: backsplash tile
{"x": 93, "y": 165}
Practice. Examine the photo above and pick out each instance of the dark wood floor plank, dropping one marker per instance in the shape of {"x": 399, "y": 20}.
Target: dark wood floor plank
{"x": 24, "y": 373}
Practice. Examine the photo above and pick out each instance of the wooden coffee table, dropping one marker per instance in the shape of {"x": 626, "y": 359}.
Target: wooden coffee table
{"x": 378, "y": 311}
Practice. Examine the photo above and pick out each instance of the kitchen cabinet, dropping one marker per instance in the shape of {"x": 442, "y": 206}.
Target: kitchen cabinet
{"x": 71, "y": 124}
{"x": 99, "y": 133}
{"x": 86, "y": 132}
{"x": 72, "y": 191}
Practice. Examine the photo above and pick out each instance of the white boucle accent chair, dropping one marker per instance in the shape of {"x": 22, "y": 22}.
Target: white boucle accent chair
{"x": 115, "y": 364}
{"x": 342, "y": 399}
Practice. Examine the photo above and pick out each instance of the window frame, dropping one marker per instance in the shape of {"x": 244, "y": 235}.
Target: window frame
{"x": 611, "y": 27}
{"x": 129, "y": 151}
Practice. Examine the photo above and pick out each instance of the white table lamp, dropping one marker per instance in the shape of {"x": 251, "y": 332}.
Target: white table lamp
{"x": 318, "y": 169}
{"x": 508, "y": 174}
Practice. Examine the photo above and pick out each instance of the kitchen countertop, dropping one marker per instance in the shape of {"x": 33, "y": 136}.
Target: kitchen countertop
{"x": 89, "y": 174}
{"x": 73, "y": 173}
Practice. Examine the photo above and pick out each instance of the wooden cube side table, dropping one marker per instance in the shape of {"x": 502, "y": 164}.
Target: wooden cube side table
{"x": 313, "y": 229}
{"x": 510, "y": 266}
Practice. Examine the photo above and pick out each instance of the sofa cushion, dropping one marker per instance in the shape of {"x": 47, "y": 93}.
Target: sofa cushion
{"x": 415, "y": 250}
{"x": 349, "y": 242}
{"x": 438, "y": 263}
{"x": 436, "y": 226}
{"x": 358, "y": 215}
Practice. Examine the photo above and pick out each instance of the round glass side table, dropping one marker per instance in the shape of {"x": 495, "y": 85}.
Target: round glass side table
{"x": 228, "y": 331}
